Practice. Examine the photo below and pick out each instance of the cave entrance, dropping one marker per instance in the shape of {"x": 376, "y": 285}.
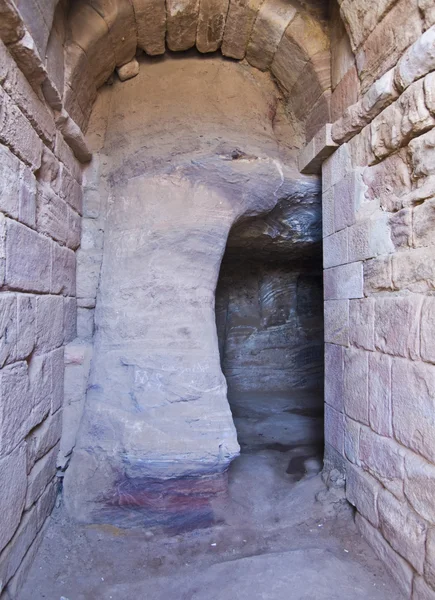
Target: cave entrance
{"x": 269, "y": 317}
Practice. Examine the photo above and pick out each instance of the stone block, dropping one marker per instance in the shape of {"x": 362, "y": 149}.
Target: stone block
{"x": 416, "y": 118}
{"x": 413, "y": 398}
{"x": 336, "y": 167}
{"x": 328, "y": 212}
{"x": 316, "y": 151}
{"x": 380, "y": 94}
{"x": 370, "y": 238}
{"x": 43, "y": 438}
{"x": 15, "y": 406}
{"x": 334, "y": 376}
{"x": 429, "y": 92}
{"x": 88, "y": 273}
{"x": 128, "y": 71}
{"x": 8, "y": 328}
{"x": 378, "y": 275}
{"x": 92, "y": 235}
{"x": 49, "y": 323}
{"x": 400, "y": 225}
{"x": 385, "y": 129}
{"x": 361, "y": 323}
{"x": 336, "y": 315}
{"x": 238, "y": 27}
{"x": 398, "y": 568}
{"x": 64, "y": 153}
{"x": 349, "y": 124}
{"x": 423, "y": 225}
{"x": 151, "y": 25}
{"x": 427, "y": 10}
{"x": 418, "y": 60}
{"x": 40, "y": 381}
{"x": 85, "y": 323}
{"x": 419, "y": 486}
{"x": 380, "y": 411}
{"x": 3, "y": 227}
{"x": 182, "y": 20}
{"x": 422, "y": 152}
{"x": 28, "y": 263}
{"x": 91, "y": 204}
{"x": 421, "y": 591}
{"x": 384, "y": 459}
{"x": 362, "y": 492}
{"x": 319, "y": 115}
{"x": 26, "y": 326}
{"x": 27, "y": 197}
{"x": 345, "y": 281}
{"x": 40, "y": 476}
{"x": 46, "y": 502}
{"x": 334, "y": 428}
{"x": 352, "y": 431}
{"x": 427, "y": 330}
{"x": 211, "y": 24}
{"x": 12, "y": 492}
{"x": 14, "y": 553}
{"x": 388, "y": 181}
{"x": 70, "y": 319}
{"x": 391, "y": 35}
{"x": 356, "y": 385}
{"x": 74, "y": 229}
{"x": 9, "y": 183}
{"x": 335, "y": 249}
{"x": 414, "y": 270}
{"x": 345, "y": 94}
{"x": 360, "y": 148}
{"x": 18, "y": 134}
{"x": 402, "y": 528}
{"x": 11, "y": 24}
{"x": 267, "y": 33}
{"x": 57, "y": 378}
{"x": 397, "y": 325}
{"x": 346, "y": 199}
{"x": 51, "y": 214}
{"x": 71, "y": 191}
{"x": 63, "y": 271}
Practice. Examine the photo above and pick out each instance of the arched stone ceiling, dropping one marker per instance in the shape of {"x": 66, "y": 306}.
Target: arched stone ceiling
{"x": 276, "y": 35}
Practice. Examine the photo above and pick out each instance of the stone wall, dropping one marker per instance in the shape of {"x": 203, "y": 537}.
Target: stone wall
{"x": 378, "y": 228}
{"x": 40, "y": 204}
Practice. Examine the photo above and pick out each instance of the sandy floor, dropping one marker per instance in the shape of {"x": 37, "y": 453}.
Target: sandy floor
{"x": 277, "y": 539}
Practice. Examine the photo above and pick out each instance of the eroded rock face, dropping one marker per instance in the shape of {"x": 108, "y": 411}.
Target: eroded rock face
{"x": 157, "y": 423}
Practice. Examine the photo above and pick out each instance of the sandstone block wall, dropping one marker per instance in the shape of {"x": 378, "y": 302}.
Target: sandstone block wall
{"x": 378, "y": 227}
{"x": 40, "y": 211}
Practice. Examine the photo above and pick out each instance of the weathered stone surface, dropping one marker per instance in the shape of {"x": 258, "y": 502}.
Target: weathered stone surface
{"x": 40, "y": 475}
{"x": 362, "y": 17}
{"x": 427, "y": 330}
{"x": 17, "y": 133}
{"x": 345, "y": 281}
{"x": 16, "y": 406}
{"x": 29, "y": 259}
{"x": 238, "y": 27}
{"x": 46, "y": 503}
{"x": 335, "y": 249}
{"x": 12, "y": 492}
{"x": 120, "y": 18}
{"x": 311, "y": 158}
{"x": 9, "y": 183}
{"x": 336, "y": 314}
{"x": 352, "y": 431}
{"x": 128, "y": 71}
{"x": 356, "y": 385}
{"x": 8, "y": 328}
{"x": 88, "y": 273}
{"x": 334, "y": 428}
{"x": 51, "y": 214}
{"x": 420, "y": 486}
{"x": 63, "y": 273}
{"x": 49, "y": 322}
{"x": 361, "y": 323}
{"x": 14, "y": 553}
{"x": 380, "y": 411}
{"x": 429, "y": 567}
{"x": 346, "y": 194}
{"x": 362, "y": 491}
{"x": 69, "y": 319}
{"x": 151, "y": 25}
{"x": 336, "y": 167}
{"x": 397, "y": 322}
{"x": 384, "y": 459}
{"x": 395, "y": 564}
{"x": 328, "y": 212}
{"x": 211, "y": 24}
{"x": 421, "y": 591}
{"x": 26, "y": 329}
{"x": 403, "y": 529}
{"x": 400, "y": 224}
{"x": 345, "y": 94}
{"x": 414, "y": 270}
{"x": 418, "y": 60}
{"x": 43, "y": 438}
{"x": 413, "y": 394}
{"x": 422, "y": 156}
{"x": 370, "y": 237}
{"x": 269, "y": 27}
{"x": 11, "y": 25}
{"x": 400, "y": 27}
{"x": 182, "y": 23}
{"x": 334, "y": 376}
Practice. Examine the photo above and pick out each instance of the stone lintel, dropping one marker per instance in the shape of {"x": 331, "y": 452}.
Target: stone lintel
{"x": 316, "y": 151}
